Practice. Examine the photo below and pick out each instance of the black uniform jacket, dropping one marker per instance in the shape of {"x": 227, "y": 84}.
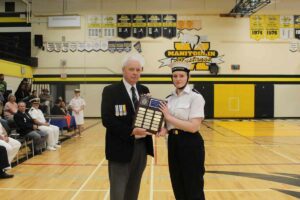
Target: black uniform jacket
{"x": 119, "y": 141}
{"x": 24, "y": 123}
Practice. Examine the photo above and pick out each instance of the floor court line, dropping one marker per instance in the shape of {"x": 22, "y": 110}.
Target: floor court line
{"x": 56, "y": 190}
{"x": 153, "y": 162}
{"x": 87, "y": 180}
{"x": 60, "y": 164}
{"x": 106, "y": 195}
{"x": 236, "y": 190}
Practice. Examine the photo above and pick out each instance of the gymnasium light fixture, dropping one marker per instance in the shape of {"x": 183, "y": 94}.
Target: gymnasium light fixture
{"x": 247, "y": 7}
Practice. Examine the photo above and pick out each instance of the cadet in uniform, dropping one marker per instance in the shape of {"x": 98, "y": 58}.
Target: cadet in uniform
{"x": 183, "y": 114}
{"x": 39, "y": 119}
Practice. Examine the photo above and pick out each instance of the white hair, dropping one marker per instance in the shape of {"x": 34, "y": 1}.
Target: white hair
{"x": 135, "y": 57}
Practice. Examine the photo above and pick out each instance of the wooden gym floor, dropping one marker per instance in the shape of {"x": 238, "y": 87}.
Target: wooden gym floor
{"x": 245, "y": 159}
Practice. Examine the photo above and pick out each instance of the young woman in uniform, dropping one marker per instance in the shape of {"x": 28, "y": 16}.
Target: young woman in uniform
{"x": 183, "y": 113}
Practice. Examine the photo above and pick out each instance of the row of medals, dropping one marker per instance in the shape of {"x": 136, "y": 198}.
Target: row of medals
{"x": 148, "y": 119}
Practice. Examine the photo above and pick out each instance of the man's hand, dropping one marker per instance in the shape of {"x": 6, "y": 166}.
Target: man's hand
{"x": 140, "y": 132}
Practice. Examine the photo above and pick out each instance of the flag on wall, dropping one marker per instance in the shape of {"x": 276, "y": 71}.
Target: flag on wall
{"x": 154, "y": 25}
{"x": 286, "y": 26}
{"x": 257, "y": 27}
{"x": 272, "y": 26}
{"x": 297, "y": 26}
{"x": 109, "y": 24}
{"x": 169, "y": 25}
{"x": 94, "y": 26}
{"x": 139, "y": 26}
{"x": 124, "y": 23}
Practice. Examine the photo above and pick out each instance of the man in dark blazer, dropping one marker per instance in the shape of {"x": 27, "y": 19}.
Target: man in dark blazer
{"x": 27, "y": 128}
{"x": 4, "y": 164}
{"x": 126, "y": 147}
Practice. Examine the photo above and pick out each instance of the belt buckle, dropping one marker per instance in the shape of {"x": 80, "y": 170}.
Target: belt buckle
{"x": 176, "y": 132}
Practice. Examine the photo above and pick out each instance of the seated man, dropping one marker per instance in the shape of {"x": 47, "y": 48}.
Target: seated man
{"x": 12, "y": 146}
{"x": 39, "y": 119}
{"x": 26, "y": 127}
{"x": 57, "y": 108}
{"x": 4, "y": 164}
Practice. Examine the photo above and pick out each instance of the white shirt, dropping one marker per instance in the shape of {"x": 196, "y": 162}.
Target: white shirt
{"x": 185, "y": 106}
{"x": 128, "y": 88}
{"x": 37, "y": 114}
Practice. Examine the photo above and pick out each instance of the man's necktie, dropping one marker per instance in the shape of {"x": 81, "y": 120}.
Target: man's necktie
{"x": 134, "y": 98}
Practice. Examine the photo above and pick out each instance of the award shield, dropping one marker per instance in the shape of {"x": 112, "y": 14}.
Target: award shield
{"x": 148, "y": 115}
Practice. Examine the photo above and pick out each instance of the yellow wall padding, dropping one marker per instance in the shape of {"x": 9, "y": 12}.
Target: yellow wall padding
{"x": 234, "y": 100}
{"x": 15, "y": 69}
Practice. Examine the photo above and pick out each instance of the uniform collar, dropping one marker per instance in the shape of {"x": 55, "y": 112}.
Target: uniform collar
{"x": 186, "y": 90}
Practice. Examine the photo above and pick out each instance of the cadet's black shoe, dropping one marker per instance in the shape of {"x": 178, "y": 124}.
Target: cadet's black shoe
{"x": 4, "y": 175}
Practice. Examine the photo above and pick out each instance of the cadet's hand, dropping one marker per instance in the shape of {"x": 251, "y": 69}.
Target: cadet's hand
{"x": 163, "y": 131}
{"x": 163, "y": 107}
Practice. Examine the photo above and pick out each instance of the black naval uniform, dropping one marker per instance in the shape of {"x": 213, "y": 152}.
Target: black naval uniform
{"x": 186, "y": 152}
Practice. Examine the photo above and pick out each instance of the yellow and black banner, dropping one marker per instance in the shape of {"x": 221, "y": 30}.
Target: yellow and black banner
{"x": 154, "y": 25}
{"x": 169, "y": 25}
{"x": 124, "y": 25}
{"x": 139, "y": 26}
{"x": 272, "y": 26}
{"x": 257, "y": 27}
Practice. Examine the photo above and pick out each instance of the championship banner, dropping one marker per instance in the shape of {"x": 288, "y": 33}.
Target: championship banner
{"x": 109, "y": 24}
{"x": 139, "y": 26}
{"x": 257, "y": 27}
{"x": 297, "y": 26}
{"x": 124, "y": 23}
{"x": 272, "y": 26}
{"x": 94, "y": 26}
{"x": 286, "y": 27}
{"x": 154, "y": 25}
{"x": 169, "y": 25}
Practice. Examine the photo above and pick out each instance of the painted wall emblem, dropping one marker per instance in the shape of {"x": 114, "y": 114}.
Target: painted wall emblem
{"x": 193, "y": 49}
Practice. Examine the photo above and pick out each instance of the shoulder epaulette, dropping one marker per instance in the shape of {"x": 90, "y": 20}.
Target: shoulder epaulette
{"x": 168, "y": 96}
{"x": 196, "y": 91}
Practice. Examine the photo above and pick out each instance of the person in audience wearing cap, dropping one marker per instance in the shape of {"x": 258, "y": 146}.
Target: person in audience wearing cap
{"x": 126, "y": 147}
{"x": 183, "y": 113}
{"x": 4, "y": 164}
{"x": 77, "y": 104}
{"x": 27, "y": 128}
{"x": 39, "y": 119}
{"x": 12, "y": 146}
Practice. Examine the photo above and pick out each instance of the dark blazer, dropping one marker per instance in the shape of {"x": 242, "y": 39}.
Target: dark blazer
{"x": 119, "y": 141}
{"x": 24, "y": 123}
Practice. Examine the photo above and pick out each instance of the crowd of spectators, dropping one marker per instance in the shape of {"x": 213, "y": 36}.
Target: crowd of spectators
{"x": 24, "y": 113}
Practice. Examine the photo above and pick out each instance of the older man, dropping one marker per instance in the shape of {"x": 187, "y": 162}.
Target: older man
{"x": 39, "y": 119}
{"x": 126, "y": 147}
{"x": 26, "y": 127}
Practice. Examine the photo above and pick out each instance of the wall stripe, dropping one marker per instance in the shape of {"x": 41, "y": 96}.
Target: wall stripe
{"x": 15, "y": 69}
{"x": 151, "y": 78}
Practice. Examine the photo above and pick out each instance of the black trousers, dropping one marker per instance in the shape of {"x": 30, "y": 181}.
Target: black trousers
{"x": 3, "y": 159}
{"x": 125, "y": 178}
{"x": 186, "y": 155}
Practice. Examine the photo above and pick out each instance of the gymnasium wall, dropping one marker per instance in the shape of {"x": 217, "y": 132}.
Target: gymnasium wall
{"x": 229, "y": 36}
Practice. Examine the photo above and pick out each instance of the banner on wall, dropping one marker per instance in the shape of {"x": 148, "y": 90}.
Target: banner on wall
{"x": 169, "y": 25}
{"x": 257, "y": 27}
{"x": 89, "y": 46}
{"x": 193, "y": 49}
{"x": 189, "y": 23}
{"x": 124, "y": 23}
{"x": 286, "y": 26}
{"x": 94, "y": 24}
{"x": 272, "y": 26}
{"x": 297, "y": 26}
{"x": 139, "y": 26}
{"x": 154, "y": 25}
{"x": 109, "y": 24}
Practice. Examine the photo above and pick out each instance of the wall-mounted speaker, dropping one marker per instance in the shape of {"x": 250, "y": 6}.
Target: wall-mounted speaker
{"x": 214, "y": 68}
{"x": 38, "y": 41}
